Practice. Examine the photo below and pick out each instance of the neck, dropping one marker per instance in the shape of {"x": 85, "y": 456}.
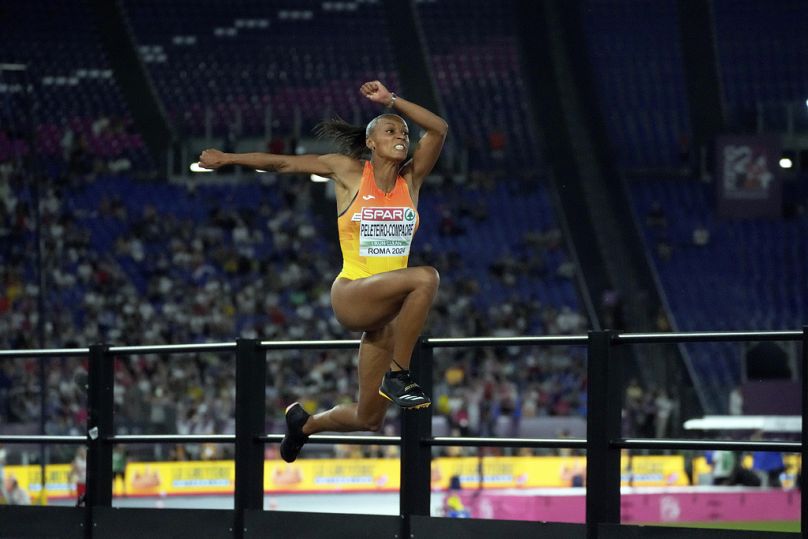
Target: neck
{"x": 385, "y": 173}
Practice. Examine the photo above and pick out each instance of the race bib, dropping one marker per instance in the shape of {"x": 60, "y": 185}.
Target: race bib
{"x": 386, "y": 231}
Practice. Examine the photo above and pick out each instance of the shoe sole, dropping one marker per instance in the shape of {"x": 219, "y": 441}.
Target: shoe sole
{"x": 286, "y": 416}
{"x": 415, "y": 407}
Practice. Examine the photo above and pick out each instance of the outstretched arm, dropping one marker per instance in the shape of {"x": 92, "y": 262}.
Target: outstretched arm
{"x": 313, "y": 164}
{"x": 429, "y": 146}
{"x": 336, "y": 166}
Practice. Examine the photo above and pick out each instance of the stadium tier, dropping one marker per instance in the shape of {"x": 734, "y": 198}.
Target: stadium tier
{"x": 265, "y": 62}
{"x": 761, "y": 53}
{"x": 722, "y": 274}
{"x": 66, "y": 98}
{"x": 636, "y": 58}
{"x": 477, "y": 71}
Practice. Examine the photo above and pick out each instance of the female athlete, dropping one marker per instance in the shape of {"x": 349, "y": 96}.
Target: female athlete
{"x": 375, "y": 293}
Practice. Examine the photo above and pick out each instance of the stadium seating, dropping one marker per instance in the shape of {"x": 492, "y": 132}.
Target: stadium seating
{"x": 762, "y": 49}
{"x": 751, "y": 274}
{"x": 476, "y": 67}
{"x": 301, "y": 62}
{"x": 68, "y": 81}
{"x": 635, "y": 53}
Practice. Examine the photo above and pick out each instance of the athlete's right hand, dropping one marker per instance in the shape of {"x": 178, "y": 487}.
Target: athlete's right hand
{"x": 212, "y": 159}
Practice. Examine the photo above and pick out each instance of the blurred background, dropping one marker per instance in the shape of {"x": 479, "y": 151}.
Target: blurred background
{"x": 634, "y": 165}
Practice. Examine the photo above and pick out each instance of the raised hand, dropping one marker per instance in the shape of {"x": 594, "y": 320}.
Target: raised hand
{"x": 376, "y": 92}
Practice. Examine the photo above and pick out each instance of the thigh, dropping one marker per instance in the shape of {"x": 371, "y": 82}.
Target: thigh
{"x": 373, "y": 302}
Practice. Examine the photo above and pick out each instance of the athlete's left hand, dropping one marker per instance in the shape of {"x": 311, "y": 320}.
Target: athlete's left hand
{"x": 376, "y": 92}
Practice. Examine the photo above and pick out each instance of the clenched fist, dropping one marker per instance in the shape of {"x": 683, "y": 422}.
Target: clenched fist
{"x": 212, "y": 159}
{"x": 376, "y": 92}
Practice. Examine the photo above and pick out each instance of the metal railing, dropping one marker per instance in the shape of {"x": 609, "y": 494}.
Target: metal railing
{"x": 603, "y": 443}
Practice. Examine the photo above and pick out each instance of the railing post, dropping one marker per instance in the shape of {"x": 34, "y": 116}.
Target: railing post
{"x": 251, "y": 369}
{"x": 604, "y": 402}
{"x": 804, "y": 439}
{"x": 100, "y": 403}
{"x": 416, "y": 458}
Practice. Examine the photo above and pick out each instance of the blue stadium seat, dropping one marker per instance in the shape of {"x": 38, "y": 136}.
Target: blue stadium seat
{"x": 751, "y": 275}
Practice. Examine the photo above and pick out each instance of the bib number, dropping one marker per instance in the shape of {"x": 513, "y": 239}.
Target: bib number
{"x": 386, "y": 231}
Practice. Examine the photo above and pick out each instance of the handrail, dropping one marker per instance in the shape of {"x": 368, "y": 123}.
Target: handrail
{"x": 603, "y": 443}
{"x": 444, "y": 342}
{"x": 431, "y": 342}
{"x": 759, "y": 445}
{"x": 338, "y": 439}
{"x": 41, "y": 439}
{"x": 545, "y": 443}
{"x": 44, "y": 352}
{"x": 437, "y": 441}
{"x": 173, "y": 348}
{"x": 171, "y": 438}
{"x": 706, "y": 336}
{"x": 309, "y": 345}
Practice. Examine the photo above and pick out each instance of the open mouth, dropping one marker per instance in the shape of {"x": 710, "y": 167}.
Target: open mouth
{"x": 400, "y": 147}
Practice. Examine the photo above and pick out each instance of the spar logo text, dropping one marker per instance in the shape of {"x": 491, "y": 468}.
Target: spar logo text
{"x": 387, "y": 214}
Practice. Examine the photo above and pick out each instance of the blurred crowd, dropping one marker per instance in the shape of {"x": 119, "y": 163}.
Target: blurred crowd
{"x": 174, "y": 280}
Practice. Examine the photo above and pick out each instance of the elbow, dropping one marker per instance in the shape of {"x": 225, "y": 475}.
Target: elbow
{"x": 442, "y": 128}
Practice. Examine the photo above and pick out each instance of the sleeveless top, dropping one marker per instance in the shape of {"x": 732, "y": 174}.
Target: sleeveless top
{"x": 376, "y": 230}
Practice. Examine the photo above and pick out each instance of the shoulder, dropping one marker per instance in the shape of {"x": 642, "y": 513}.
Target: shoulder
{"x": 342, "y": 163}
{"x": 346, "y": 171}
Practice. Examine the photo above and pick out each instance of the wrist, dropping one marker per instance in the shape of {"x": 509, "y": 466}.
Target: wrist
{"x": 392, "y": 101}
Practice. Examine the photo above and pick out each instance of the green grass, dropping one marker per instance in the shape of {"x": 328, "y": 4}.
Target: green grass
{"x": 758, "y": 525}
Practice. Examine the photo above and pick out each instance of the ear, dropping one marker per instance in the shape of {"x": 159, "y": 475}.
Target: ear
{"x": 370, "y": 145}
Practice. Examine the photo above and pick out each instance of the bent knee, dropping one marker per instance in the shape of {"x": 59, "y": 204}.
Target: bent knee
{"x": 428, "y": 278}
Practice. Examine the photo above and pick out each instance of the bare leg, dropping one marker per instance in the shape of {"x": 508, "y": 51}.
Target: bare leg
{"x": 406, "y": 295}
{"x": 368, "y": 414}
{"x": 371, "y": 305}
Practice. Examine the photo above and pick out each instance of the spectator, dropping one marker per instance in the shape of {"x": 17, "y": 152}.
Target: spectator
{"x": 661, "y": 321}
{"x": 725, "y": 464}
{"x": 570, "y": 322}
{"x": 13, "y": 494}
{"x": 736, "y": 401}
{"x": 701, "y": 236}
{"x": 119, "y": 467}
{"x": 664, "y": 408}
{"x": 664, "y": 248}
{"x": 768, "y": 464}
{"x": 496, "y": 144}
{"x": 78, "y": 474}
